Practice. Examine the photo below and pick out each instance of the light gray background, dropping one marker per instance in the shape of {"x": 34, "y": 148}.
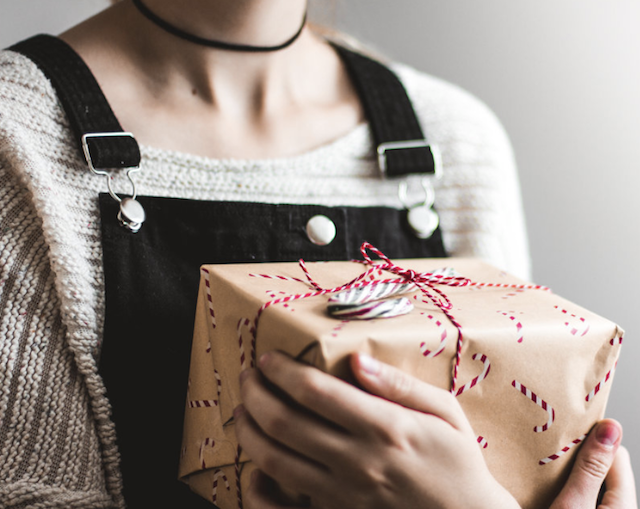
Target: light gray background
{"x": 564, "y": 78}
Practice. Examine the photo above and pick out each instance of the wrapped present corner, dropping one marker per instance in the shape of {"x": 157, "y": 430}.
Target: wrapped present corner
{"x": 531, "y": 370}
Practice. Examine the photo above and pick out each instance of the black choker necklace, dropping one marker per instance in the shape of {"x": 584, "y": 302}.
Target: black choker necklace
{"x": 211, "y": 43}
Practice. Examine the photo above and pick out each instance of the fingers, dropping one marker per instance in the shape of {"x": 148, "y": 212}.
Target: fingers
{"x": 590, "y": 469}
{"x": 392, "y": 384}
{"x": 284, "y": 465}
{"x": 258, "y": 495}
{"x": 620, "y": 483}
{"x": 290, "y": 424}
{"x": 331, "y": 398}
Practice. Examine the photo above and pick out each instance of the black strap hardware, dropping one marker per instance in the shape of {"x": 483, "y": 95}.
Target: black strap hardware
{"x": 101, "y": 139}
{"x": 402, "y": 147}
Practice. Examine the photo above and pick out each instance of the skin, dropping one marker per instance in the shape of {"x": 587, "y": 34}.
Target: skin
{"x": 179, "y": 96}
{"x": 397, "y": 442}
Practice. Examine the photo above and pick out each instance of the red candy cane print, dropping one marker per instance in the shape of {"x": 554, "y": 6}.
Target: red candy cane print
{"x": 202, "y": 403}
{"x": 599, "y": 385}
{"x": 216, "y": 475}
{"x": 338, "y": 328}
{"x": 207, "y": 284}
{"x": 616, "y": 341}
{"x": 243, "y": 323}
{"x": 487, "y": 367}
{"x": 207, "y": 442}
{"x": 443, "y": 340}
{"x": 511, "y": 316}
{"x": 482, "y": 442}
{"x": 577, "y": 325}
{"x": 513, "y": 294}
{"x": 562, "y": 451}
{"x": 237, "y": 469}
{"x": 540, "y": 402}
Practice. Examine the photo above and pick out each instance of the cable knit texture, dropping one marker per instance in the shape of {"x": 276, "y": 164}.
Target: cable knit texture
{"x": 57, "y": 442}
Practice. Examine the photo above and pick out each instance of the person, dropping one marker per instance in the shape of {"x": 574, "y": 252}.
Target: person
{"x": 239, "y": 148}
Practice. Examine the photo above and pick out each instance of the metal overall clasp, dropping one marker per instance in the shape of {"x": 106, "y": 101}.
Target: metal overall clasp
{"x": 131, "y": 214}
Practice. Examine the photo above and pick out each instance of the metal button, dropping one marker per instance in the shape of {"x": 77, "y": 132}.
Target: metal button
{"x": 423, "y": 220}
{"x": 321, "y": 230}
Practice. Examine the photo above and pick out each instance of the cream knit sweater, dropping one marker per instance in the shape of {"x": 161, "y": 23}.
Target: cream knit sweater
{"x": 57, "y": 442}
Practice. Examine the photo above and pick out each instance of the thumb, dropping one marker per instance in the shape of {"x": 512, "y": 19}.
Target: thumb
{"x": 591, "y": 467}
{"x": 399, "y": 387}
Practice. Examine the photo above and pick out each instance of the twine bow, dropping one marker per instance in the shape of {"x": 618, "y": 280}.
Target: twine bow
{"x": 426, "y": 282}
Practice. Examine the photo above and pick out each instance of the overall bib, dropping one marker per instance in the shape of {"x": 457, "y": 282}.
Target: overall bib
{"x": 152, "y": 276}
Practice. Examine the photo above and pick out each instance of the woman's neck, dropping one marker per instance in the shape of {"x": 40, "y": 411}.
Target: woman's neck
{"x": 176, "y": 94}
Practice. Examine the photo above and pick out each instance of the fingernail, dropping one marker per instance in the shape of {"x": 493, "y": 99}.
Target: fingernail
{"x": 243, "y": 376}
{"x": 369, "y": 364}
{"x": 238, "y": 411}
{"x": 264, "y": 359}
{"x": 607, "y": 434}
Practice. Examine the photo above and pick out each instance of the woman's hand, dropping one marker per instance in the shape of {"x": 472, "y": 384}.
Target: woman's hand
{"x": 406, "y": 444}
{"x": 600, "y": 459}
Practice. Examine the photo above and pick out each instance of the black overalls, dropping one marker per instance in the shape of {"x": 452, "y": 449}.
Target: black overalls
{"x": 152, "y": 276}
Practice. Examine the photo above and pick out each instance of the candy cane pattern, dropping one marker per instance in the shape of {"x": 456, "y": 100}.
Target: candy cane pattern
{"x": 207, "y": 284}
{"x": 616, "y": 341}
{"x": 205, "y": 403}
{"x": 242, "y": 324}
{"x": 513, "y": 294}
{"x": 540, "y": 402}
{"x": 561, "y": 452}
{"x": 207, "y": 442}
{"x": 338, "y": 328}
{"x": 480, "y": 377}
{"x": 216, "y": 475}
{"x": 483, "y": 442}
{"x": 237, "y": 469}
{"x": 510, "y": 316}
{"x": 597, "y": 388}
{"x": 576, "y": 324}
{"x": 443, "y": 340}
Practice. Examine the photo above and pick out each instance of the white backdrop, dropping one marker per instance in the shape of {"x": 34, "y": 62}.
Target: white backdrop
{"x": 564, "y": 78}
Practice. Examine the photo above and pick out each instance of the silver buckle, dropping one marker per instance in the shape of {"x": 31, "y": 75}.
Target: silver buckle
{"x": 131, "y": 214}
{"x": 399, "y": 145}
{"x": 87, "y": 156}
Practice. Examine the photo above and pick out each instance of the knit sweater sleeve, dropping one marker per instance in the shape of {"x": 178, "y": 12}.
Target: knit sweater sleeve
{"x": 51, "y": 455}
{"x": 49, "y": 452}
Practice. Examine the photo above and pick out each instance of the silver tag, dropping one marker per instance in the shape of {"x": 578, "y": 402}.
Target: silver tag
{"x": 376, "y": 309}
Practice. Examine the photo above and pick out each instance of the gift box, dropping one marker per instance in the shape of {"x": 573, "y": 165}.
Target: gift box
{"x": 531, "y": 370}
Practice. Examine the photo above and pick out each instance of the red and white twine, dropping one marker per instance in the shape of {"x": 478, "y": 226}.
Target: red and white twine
{"x": 426, "y": 282}
{"x": 207, "y": 283}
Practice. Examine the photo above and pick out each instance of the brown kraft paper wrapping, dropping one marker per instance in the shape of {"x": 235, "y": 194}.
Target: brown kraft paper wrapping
{"x": 534, "y": 373}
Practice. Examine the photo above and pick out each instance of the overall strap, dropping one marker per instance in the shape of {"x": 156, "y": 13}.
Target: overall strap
{"x": 96, "y": 129}
{"x": 401, "y": 145}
